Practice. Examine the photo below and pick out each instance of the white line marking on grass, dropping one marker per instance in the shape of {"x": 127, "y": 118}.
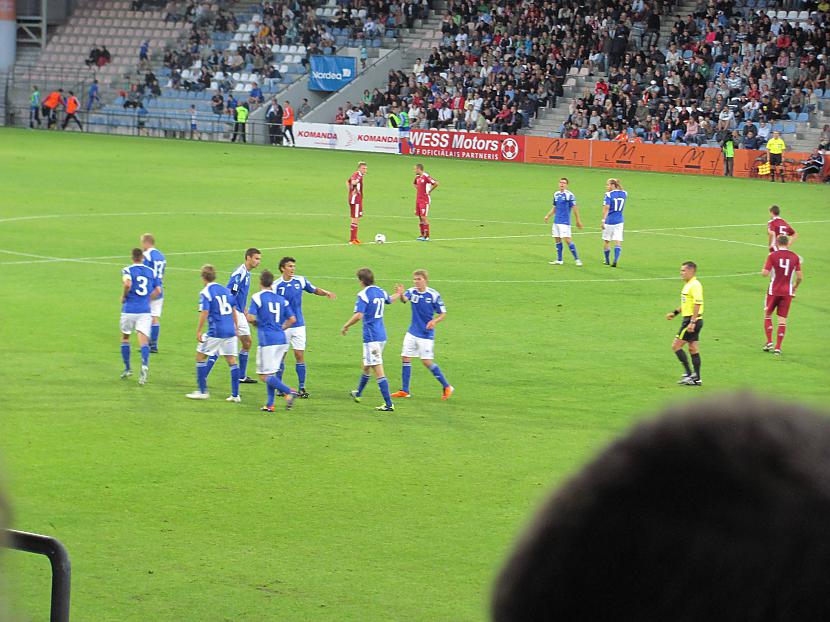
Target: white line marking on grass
{"x": 698, "y": 237}
{"x": 274, "y": 214}
{"x": 34, "y": 258}
{"x": 351, "y": 278}
{"x": 557, "y": 282}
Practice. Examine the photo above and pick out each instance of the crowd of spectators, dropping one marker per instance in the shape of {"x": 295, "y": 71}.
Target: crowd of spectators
{"x": 722, "y": 68}
{"x": 368, "y": 20}
{"x": 500, "y": 62}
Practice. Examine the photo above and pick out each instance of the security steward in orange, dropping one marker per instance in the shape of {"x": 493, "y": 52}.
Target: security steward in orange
{"x": 72, "y": 105}
{"x": 288, "y": 123}
{"x": 50, "y": 107}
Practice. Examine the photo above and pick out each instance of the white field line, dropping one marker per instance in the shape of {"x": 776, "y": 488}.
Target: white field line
{"x": 351, "y": 278}
{"x": 272, "y": 214}
{"x": 35, "y": 258}
{"x": 558, "y": 281}
{"x": 698, "y": 237}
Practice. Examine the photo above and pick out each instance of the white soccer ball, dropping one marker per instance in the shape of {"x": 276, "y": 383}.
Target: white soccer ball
{"x": 380, "y": 238}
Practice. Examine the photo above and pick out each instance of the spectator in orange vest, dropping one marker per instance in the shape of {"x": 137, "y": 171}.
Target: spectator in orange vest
{"x": 288, "y": 123}
{"x": 72, "y": 104}
{"x": 50, "y": 107}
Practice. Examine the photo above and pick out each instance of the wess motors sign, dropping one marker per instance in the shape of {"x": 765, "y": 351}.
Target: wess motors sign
{"x": 467, "y": 145}
{"x": 346, "y": 137}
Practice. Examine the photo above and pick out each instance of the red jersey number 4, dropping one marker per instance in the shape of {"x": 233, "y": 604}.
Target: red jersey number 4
{"x": 782, "y": 266}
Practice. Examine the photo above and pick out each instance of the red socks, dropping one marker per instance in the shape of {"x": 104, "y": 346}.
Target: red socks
{"x": 782, "y": 328}
{"x": 353, "y": 232}
{"x": 424, "y": 230}
{"x": 768, "y": 328}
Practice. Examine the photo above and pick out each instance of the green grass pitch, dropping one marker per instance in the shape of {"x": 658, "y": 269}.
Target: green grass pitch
{"x": 180, "y": 510}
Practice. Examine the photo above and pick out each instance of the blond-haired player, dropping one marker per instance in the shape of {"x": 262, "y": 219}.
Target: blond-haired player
{"x": 612, "y": 220}
{"x": 427, "y": 310}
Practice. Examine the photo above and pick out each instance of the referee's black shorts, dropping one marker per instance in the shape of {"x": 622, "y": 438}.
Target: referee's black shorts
{"x": 775, "y": 159}
{"x": 684, "y": 333}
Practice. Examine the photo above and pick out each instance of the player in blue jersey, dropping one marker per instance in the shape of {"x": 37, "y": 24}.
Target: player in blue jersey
{"x": 564, "y": 202}
{"x": 154, "y": 259}
{"x": 218, "y": 307}
{"x": 427, "y": 310}
{"x": 371, "y": 301}
{"x": 239, "y": 284}
{"x": 271, "y": 314}
{"x": 612, "y": 220}
{"x": 291, "y": 287}
{"x": 140, "y": 288}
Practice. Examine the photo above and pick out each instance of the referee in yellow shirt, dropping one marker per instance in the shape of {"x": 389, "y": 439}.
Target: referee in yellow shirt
{"x": 691, "y": 309}
{"x": 775, "y": 155}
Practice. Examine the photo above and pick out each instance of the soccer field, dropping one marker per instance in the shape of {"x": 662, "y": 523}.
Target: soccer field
{"x": 179, "y": 510}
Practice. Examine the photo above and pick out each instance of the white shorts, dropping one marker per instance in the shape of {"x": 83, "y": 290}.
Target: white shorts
{"x": 156, "y": 306}
{"x": 223, "y": 346}
{"x": 403, "y": 133}
{"x": 560, "y": 231}
{"x": 296, "y": 337}
{"x": 242, "y": 324}
{"x": 269, "y": 359}
{"x": 373, "y": 352}
{"x": 416, "y": 347}
{"x": 138, "y": 322}
{"x": 613, "y": 232}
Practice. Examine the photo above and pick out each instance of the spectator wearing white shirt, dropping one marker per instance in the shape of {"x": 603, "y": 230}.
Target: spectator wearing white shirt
{"x": 414, "y": 115}
{"x": 355, "y": 115}
{"x": 418, "y": 67}
{"x": 673, "y": 55}
{"x": 763, "y": 130}
{"x": 444, "y": 116}
{"x": 750, "y": 109}
{"x": 726, "y": 119}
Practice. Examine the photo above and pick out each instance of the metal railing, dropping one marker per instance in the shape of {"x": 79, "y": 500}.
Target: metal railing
{"x": 48, "y": 77}
{"x": 131, "y": 122}
{"x": 58, "y": 558}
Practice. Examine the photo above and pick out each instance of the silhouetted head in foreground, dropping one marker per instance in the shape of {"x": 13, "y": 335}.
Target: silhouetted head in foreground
{"x": 719, "y": 510}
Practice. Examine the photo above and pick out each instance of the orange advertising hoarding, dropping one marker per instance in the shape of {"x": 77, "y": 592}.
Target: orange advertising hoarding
{"x": 689, "y": 160}
{"x": 665, "y": 158}
{"x": 557, "y": 151}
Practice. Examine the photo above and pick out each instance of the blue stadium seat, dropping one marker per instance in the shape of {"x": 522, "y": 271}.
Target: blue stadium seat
{"x": 802, "y": 117}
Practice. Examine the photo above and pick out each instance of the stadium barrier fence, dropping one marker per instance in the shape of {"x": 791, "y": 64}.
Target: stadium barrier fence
{"x": 684, "y": 159}
{"x": 58, "y": 558}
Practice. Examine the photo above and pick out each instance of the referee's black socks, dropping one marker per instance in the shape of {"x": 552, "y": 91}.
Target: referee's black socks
{"x": 681, "y": 355}
{"x": 696, "y": 363}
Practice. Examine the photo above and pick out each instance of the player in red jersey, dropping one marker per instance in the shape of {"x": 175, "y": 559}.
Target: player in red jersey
{"x": 783, "y": 265}
{"x": 355, "y": 186}
{"x": 778, "y": 226}
{"x": 423, "y": 199}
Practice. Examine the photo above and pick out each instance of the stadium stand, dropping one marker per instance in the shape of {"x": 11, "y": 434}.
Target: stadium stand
{"x": 647, "y": 70}
{"x": 103, "y": 24}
